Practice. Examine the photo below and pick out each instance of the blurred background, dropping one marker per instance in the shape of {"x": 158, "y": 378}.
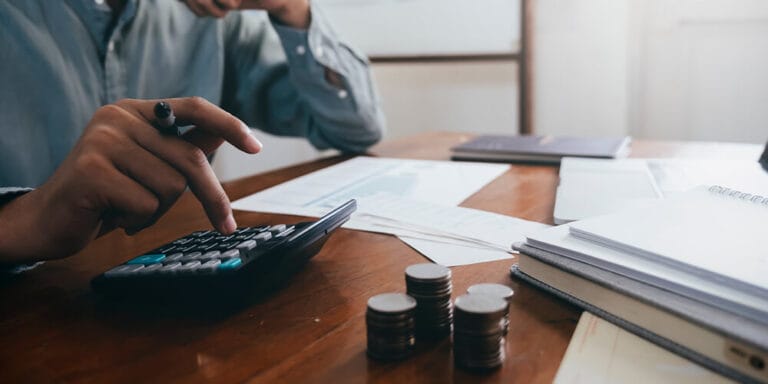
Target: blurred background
{"x": 651, "y": 69}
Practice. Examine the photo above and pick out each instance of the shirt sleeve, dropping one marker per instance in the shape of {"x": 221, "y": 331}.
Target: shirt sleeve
{"x": 275, "y": 80}
{"x": 8, "y": 193}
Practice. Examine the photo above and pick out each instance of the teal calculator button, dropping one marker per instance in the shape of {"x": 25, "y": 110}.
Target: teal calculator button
{"x": 148, "y": 259}
{"x": 230, "y": 264}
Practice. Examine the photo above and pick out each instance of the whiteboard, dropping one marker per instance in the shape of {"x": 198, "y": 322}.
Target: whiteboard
{"x": 402, "y": 28}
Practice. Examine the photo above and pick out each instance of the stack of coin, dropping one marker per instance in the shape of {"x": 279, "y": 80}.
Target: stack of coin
{"x": 430, "y": 285}
{"x": 391, "y": 326}
{"x": 478, "y": 338}
{"x": 497, "y": 290}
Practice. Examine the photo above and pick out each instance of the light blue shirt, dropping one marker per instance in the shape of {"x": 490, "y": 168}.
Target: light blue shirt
{"x": 61, "y": 60}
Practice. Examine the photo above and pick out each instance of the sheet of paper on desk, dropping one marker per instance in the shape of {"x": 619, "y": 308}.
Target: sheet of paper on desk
{"x": 420, "y": 198}
{"x": 481, "y": 228}
{"x": 441, "y": 182}
{"x": 451, "y": 255}
{"x": 600, "y": 352}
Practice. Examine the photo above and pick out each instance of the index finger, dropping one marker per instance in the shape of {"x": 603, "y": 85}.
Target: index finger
{"x": 205, "y": 116}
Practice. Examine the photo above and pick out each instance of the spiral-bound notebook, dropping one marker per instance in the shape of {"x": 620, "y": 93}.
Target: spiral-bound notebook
{"x": 713, "y": 232}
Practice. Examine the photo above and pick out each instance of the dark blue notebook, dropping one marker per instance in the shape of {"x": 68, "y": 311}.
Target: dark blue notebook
{"x": 539, "y": 149}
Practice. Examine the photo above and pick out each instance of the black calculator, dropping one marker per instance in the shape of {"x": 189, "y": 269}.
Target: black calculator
{"x": 209, "y": 264}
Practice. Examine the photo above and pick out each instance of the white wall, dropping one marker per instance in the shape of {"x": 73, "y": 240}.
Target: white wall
{"x": 700, "y": 70}
{"x": 467, "y": 97}
{"x": 661, "y": 69}
{"x": 580, "y": 67}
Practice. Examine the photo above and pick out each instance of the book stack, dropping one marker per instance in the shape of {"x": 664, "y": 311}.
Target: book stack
{"x": 689, "y": 273}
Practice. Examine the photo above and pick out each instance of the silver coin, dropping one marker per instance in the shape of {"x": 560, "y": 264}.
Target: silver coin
{"x": 391, "y": 303}
{"x": 491, "y": 289}
{"x": 480, "y": 304}
{"x": 427, "y": 272}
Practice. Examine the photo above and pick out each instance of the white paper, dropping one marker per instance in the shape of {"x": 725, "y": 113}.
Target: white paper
{"x": 594, "y": 187}
{"x": 452, "y": 255}
{"x": 699, "y": 231}
{"x": 421, "y": 195}
{"x": 441, "y": 182}
{"x": 471, "y": 225}
{"x": 680, "y": 175}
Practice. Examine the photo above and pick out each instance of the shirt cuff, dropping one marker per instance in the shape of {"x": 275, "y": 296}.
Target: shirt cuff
{"x": 9, "y": 193}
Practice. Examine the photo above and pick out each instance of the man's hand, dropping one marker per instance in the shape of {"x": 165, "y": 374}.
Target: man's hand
{"x": 294, "y": 13}
{"x": 123, "y": 173}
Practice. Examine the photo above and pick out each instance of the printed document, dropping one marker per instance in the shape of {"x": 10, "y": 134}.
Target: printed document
{"x": 412, "y": 199}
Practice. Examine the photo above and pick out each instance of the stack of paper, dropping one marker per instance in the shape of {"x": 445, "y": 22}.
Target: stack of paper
{"x": 687, "y": 272}
{"x": 593, "y": 187}
{"x": 412, "y": 199}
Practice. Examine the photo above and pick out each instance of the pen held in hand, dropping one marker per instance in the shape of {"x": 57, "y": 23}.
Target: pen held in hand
{"x": 165, "y": 120}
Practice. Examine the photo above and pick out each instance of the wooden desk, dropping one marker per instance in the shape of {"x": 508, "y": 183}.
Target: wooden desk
{"x": 54, "y": 329}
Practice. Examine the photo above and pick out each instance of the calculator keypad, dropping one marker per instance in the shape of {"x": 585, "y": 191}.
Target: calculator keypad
{"x": 205, "y": 252}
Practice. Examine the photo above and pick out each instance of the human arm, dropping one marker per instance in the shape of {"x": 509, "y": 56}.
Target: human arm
{"x": 300, "y": 83}
{"x": 294, "y": 13}
{"x": 122, "y": 173}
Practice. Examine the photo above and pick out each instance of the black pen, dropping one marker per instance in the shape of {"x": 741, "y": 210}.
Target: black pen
{"x": 165, "y": 120}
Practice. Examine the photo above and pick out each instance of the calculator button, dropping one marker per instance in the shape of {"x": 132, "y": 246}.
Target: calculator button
{"x": 230, "y": 254}
{"x": 149, "y": 269}
{"x": 189, "y": 267}
{"x": 205, "y": 240}
{"x": 247, "y": 245}
{"x": 264, "y": 236}
{"x": 226, "y": 246}
{"x": 207, "y": 247}
{"x": 230, "y": 264}
{"x": 191, "y": 256}
{"x": 126, "y": 270}
{"x": 170, "y": 268}
{"x": 287, "y": 232}
{"x": 120, "y": 270}
{"x": 187, "y": 247}
{"x": 210, "y": 255}
{"x": 148, "y": 259}
{"x": 277, "y": 228}
{"x": 244, "y": 237}
{"x": 174, "y": 257}
{"x": 252, "y": 229}
{"x": 210, "y": 266}
{"x": 183, "y": 240}
{"x": 166, "y": 248}
{"x": 134, "y": 269}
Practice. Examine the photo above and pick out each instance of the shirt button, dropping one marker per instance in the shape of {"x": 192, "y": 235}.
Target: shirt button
{"x": 98, "y": 2}
{"x": 300, "y": 50}
{"x": 111, "y": 46}
{"x": 342, "y": 94}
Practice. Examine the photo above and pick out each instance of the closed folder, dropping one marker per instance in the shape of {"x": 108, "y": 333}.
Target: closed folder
{"x": 539, "y": 149}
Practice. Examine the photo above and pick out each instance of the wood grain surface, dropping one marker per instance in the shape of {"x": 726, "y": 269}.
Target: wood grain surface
{"x": 53, "y": 328}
